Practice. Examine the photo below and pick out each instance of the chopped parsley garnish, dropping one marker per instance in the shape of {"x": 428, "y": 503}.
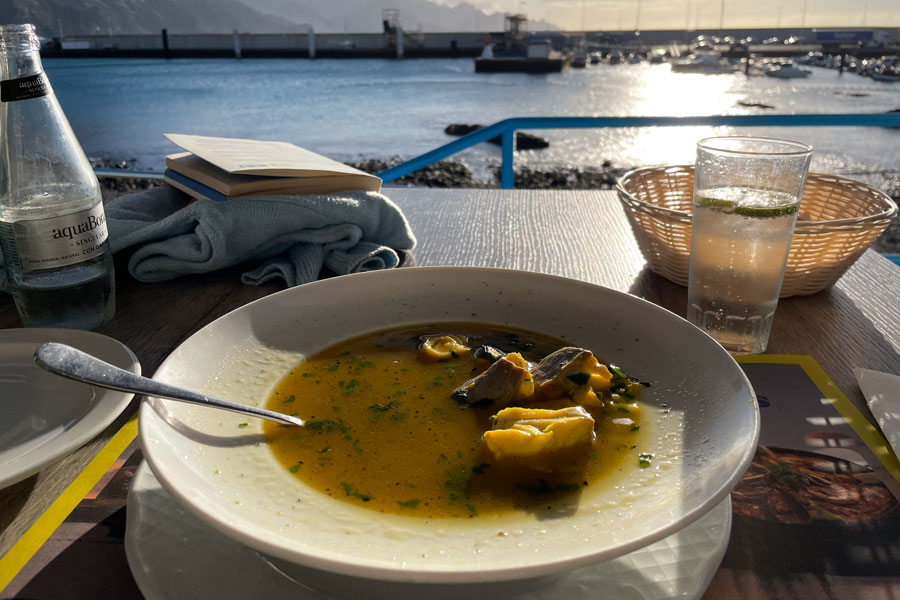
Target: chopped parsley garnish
{"x": 488, "y": 353}
{"x": 644, "y": 459}
{"x": 243, "y": 424}
{"x": 361, "y": 363}
{"x": 349, "y": 491}
{"x": 327, "y": 426}
{"x": 579, "y": 378}
{"x": 617, "y": 372}
{"x": 411, "y": 503}
{"x": 457, "y": 479}
{"x": 349, "y": 387}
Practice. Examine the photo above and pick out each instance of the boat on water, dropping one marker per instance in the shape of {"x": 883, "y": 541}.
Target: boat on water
{"x": 580, "y": 60}
{"x": 518, "y": 55}
{"x": 539, "y": 57}
{"x": 886, "y": 75}
{"x": 709, "y": 63}
{"x": 886, "y": 69}
{"x": 786, "y": 71}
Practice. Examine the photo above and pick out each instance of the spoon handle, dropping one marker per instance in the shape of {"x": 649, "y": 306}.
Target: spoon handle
{"x": 72, "y": 363}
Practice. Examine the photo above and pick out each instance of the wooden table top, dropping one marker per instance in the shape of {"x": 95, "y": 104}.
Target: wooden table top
{"x": 579, "y": 234}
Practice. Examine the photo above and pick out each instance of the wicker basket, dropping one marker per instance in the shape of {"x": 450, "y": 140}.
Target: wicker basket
{"x": 838, "y": 220}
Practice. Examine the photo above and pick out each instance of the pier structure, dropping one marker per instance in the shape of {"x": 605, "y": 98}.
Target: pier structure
{"x": 394, "y": 42}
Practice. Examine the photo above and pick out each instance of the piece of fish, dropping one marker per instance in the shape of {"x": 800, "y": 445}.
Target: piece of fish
{"x": 506, "y": 380}
{"x": 564, "y": 370}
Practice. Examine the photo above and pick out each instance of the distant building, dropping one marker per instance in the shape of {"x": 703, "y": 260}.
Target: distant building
{"x": 858, "y": 36}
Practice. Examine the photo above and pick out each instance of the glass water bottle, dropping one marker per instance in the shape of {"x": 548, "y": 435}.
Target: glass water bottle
{"x": 53, "y": 230}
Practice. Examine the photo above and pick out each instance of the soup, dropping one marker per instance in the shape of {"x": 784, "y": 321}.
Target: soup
{"x": 405, "y": 421}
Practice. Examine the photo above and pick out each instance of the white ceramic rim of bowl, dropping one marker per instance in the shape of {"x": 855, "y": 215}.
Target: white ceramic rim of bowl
{"x": 107, "y": 405}
{"x": 385, "y": 572}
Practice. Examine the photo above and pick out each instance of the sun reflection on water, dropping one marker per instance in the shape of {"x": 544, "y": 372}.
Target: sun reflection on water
{"x": 663, "y": 92}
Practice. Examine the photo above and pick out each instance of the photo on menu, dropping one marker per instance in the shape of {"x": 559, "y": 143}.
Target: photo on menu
{"x": 816, "y": 499}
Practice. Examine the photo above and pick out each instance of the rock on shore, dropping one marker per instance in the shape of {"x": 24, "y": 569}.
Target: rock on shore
{"x": 453, "y": 174}
{"x": 524, "y": 141}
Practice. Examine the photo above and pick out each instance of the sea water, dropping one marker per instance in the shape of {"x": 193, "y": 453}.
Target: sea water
{"x": 353, "y": 109}
{"x": 740, "y": 238}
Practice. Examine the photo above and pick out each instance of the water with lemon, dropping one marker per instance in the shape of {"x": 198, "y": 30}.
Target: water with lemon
{"x": 739, "y": 245}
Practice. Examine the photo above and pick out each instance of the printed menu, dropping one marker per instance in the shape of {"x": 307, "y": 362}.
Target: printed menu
{"x": 817, "y": 515}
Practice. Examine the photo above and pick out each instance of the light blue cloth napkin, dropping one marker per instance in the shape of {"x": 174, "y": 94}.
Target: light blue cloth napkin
{"x": 283, "y": 237}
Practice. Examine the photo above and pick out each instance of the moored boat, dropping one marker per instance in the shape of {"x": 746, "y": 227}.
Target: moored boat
{"x": 786, "y": 71}
{"x": 538, "y": 58}
{"x": 706, "y": 62}
{"x": 579, "y": 60}
{"x": 886, "y": 75}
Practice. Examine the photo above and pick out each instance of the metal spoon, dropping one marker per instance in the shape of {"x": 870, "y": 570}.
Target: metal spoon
{"x": 72, "y": 363}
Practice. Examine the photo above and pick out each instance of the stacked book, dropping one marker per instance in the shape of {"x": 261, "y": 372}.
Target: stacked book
{"x": 214, "y": 168}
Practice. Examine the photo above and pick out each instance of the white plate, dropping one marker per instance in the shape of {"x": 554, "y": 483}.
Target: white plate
{"x": 702, "y": 426}
{"x": 46, "y": 416}
{"x": 174, "y": 556}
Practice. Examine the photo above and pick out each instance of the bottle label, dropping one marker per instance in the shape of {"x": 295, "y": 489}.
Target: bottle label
{"x": 24, "y": 88}
{"x": 55, "y": 241}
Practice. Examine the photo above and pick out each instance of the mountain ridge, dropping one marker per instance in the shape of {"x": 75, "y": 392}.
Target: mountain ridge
{"x": 113, "y": 17}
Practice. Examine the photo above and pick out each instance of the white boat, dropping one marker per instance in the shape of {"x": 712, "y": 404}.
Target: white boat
{"x": 709, "y": 63}
{"x": 786, "y": 71}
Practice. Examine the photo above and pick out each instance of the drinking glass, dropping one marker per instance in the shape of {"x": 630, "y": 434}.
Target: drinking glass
{"x": 746, "y": 198}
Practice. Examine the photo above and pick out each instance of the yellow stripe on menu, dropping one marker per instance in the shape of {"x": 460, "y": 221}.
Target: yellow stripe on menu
{"x": 17, "y": 556}
{"x": 868, "y": 433}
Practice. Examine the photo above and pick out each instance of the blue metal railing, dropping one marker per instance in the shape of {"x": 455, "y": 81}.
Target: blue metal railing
{"x": 507, "y": 128}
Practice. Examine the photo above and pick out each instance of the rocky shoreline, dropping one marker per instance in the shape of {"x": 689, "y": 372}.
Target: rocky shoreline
{"x": 455, "y": 174}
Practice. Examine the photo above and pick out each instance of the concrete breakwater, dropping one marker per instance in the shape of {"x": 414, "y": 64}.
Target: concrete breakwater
{"x": 394, "y": 42}
{"x": 397, "y": 43}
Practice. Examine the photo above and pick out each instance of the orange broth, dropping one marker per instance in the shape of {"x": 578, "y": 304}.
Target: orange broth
{"x": 383, "y": 431}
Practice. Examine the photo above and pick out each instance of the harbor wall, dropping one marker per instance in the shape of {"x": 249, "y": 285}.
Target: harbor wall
{"x": 415, "y": 44}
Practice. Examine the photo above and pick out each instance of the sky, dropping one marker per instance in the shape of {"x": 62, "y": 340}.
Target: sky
{"x": 698, "y": 14}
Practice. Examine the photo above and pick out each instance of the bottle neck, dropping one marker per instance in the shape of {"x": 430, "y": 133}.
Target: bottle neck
{"x": 20, "y": 52}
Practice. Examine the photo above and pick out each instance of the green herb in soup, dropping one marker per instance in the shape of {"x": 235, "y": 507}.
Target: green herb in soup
{"x": 456, "y": 420}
